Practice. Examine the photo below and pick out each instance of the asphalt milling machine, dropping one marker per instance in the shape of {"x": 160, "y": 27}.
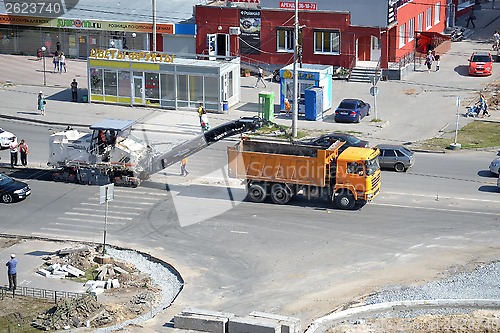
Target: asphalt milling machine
{"x": 112, "y": 154}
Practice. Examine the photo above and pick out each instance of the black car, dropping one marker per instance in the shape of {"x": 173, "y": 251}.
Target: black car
{"x": 324, "y": 141}
{"x": 12, "y": 190}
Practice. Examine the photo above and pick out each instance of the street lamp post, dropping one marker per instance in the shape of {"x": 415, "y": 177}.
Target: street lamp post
{"x": 133, "y": 40}
{"x": 43, "y": 56}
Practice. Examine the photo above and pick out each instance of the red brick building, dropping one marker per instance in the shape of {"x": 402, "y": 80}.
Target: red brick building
{"x": 342, "y": 33}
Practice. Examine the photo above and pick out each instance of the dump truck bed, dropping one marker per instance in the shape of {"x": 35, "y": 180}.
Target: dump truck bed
{"x": 281, "y": 162}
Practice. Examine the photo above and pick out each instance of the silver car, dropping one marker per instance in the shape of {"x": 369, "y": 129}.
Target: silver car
{"x": 495, "y": 166}
{"x": 396, "y": 157}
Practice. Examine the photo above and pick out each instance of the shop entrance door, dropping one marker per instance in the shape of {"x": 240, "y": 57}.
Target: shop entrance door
{"x": 83, "y": 50}
{"x": 138, "y": 91}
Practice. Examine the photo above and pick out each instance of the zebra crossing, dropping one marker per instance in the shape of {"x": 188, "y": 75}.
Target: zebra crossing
{"x": 88, "y": 217}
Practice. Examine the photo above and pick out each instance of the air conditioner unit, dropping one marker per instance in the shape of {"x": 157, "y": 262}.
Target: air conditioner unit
{"x": 234, "y": 30}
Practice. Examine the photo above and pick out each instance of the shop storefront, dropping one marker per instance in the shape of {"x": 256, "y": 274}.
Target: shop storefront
{"x": 76, "y": 37}
{"x": 162, "y": 80}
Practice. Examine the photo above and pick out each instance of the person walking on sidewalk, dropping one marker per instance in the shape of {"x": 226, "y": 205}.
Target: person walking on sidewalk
{"x": 496, "y": 38}
{"x": 428, "y": 60}
{"x": 23, "y": 150}
{"x": 470, "y": 19}
{"x": 184, "y": 172}
{"x": 13, "y": 146}
{"x": 12, "y": 272}
{"x": 74, "y": 91}
{"x": 62, "y": 63}
{"x": 201, "y": 111}
{"x": 41, "y": 103}
{"x": 437, "y": 57}
{"x": 260, "y": 77}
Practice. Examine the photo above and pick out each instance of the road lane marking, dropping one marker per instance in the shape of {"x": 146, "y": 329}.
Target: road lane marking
{"x": 121, "y": 200}
{"x": 111, "y": 204}
{"x": 110, "y": 211}
{"x": 83, "y": 220}
{"x": 436, "y": 209}
{"x": 433, "y": 196}
{"x": 102, "y": 216}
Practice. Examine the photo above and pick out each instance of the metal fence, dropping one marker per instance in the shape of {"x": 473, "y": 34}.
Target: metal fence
{"x": 53, "y": 295}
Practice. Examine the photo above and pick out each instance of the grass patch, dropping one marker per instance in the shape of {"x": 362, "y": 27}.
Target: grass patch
{"x": 279, "y": 131}
{"x": 477, "y": 134}
{"x": 376, "y": 120}
{"x": 18, "y": 313}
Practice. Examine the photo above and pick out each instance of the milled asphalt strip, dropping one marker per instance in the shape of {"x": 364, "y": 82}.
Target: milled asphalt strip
{"x": 323, "y": 324}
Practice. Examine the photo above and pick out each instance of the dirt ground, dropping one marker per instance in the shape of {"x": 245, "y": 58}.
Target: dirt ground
{"x": 134, "y": 297}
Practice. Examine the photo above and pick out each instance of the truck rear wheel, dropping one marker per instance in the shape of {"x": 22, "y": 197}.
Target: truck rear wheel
{"x": 256, "y": 192}
{"x": 345, "y": 200}
{"x": 280, "y": 194}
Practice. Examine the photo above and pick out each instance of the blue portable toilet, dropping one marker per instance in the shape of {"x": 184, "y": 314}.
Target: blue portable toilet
{"x": 313, "y": 103}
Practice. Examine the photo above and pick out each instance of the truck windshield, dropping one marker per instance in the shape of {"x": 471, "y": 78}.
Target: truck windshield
{"x": 371, "y": 166}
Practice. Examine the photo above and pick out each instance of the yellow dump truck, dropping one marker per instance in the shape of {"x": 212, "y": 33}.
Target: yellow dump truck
{"x": 282, "y": 170}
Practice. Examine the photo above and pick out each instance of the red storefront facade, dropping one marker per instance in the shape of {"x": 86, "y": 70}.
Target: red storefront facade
{"x": 327, "y": 37}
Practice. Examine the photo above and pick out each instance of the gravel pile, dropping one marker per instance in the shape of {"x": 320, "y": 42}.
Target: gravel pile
{"x": 161, "y": 276}
{"x": 482, "y": 283}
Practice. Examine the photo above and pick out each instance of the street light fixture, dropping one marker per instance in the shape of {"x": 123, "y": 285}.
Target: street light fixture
{"x": 133, "y": 40}
{"x": 43, "y": 56}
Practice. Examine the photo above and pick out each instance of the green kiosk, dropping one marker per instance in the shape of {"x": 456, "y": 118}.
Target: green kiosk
{"x": 266, "y": 105}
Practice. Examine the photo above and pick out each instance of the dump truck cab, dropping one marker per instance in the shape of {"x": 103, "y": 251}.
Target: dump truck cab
{"x": 357, "y": 176}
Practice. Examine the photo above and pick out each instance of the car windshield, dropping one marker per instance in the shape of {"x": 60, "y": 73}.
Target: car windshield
{"x": 406, "y": 151}
{"x": 481, "y": 58}
{"x": 351, "y": 139}
{"x": 371, "y": 166}
{"x": 4, "y": 180}
{"x": 347, "y": 105}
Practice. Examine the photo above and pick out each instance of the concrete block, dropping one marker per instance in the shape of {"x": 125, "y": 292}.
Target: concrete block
{"x": 200, "y": 322}
{"x": 253, "y": 325}
{"x": 99, "y": 284}
{"x": 115, "y": 283}
{"x": 208, "y": 313}
{"x": 96, "y": 291}
{"x": 73, "y": 270}
{"x": 89, "y": 283}
{"x": 43, "y": 272}
{"x": 108, "y": 284}
{"x": 288, "y": 324}
{"x": 54, "y": 267}
{"x": 60, "y": 273}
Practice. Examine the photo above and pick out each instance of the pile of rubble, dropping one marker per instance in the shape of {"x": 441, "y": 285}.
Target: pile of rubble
{"x": 127, "y": 291}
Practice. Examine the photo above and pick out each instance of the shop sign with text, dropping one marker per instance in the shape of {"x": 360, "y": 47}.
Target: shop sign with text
{"x": 302, "y": 5}
{"x": 112, "y": 54}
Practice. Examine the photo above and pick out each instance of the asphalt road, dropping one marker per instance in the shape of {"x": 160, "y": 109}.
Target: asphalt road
{"x": 301, "y": 259}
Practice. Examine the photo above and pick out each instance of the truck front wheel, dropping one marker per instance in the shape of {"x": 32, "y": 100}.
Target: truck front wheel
{"x": 256, "y": 192}
{"x": 280, "y": 194}
{"x": 344, "y": 200}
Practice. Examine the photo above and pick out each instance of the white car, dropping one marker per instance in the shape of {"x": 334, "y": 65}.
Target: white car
{"x": 5, "y": 138}
{"x": 495, "y": 166}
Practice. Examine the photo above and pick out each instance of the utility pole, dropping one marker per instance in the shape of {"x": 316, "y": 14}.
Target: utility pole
{"x": 295, "y": 111}
{"x": 154, "y": 26}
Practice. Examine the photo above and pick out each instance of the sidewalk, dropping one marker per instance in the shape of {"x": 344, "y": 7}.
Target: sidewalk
{"x": 416, "y": 108}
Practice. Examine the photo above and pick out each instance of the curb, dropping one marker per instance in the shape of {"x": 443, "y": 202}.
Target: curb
{"x": 325, "y": 323}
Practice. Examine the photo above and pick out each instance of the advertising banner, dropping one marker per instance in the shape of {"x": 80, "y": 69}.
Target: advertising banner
{"x": 250, "y": 31}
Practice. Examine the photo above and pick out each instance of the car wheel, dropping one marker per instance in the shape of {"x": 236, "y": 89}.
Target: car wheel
{"x": 399, "y": 167}
{"x": 257, "y": 192}
{"x": 358, "y": 119}
{"x": 7, "y": 198}
{"x": 280, "y": 194}
{"x": 345, "y": 200}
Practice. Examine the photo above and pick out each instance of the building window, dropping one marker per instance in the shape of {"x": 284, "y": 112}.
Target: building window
{"x": 96, "y": 81}
{"x": 152, "y": 86}
{"x": 437, "y": 11}
{"x": 420, "y": 22}
{"x": 402, "y": 35}
{"x": 327, "y": 42}
{"x": 110, "y": 83}
{"x": 428, "y": 18}
{"x": 285, "y": 39}
{"x": 124, "y": 84}
{"x": 411, "y": 29}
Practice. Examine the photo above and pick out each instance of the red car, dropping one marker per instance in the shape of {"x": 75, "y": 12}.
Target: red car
{"x": 480, "y": 64}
